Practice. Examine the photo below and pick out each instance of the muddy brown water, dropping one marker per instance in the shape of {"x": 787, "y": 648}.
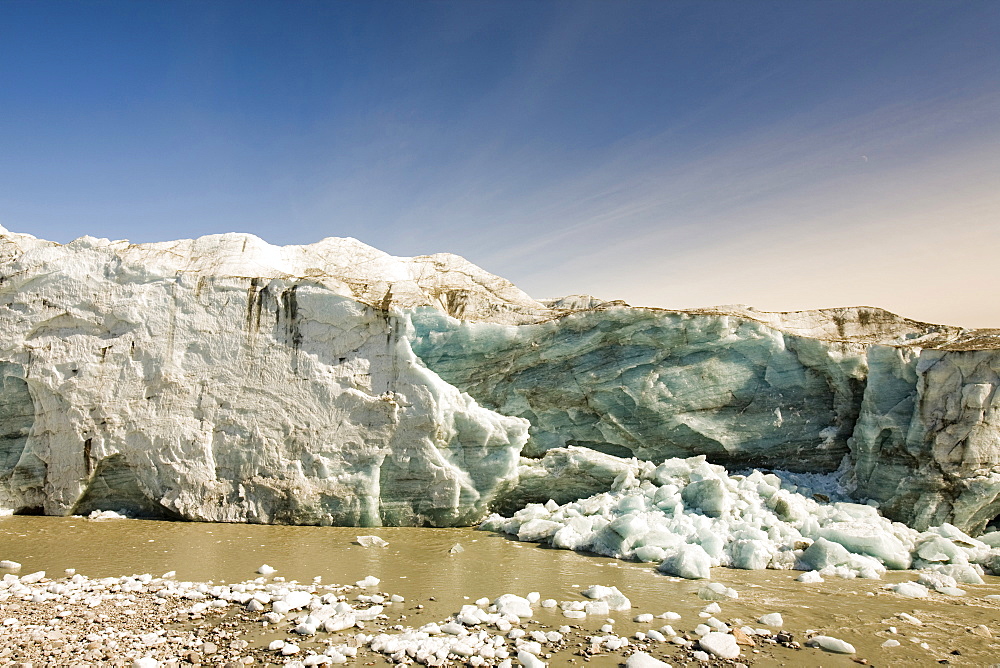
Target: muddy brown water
{"x": 418, "y": 565}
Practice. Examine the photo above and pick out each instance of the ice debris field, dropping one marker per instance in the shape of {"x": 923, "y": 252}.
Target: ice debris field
{"x": 689, "y": 516}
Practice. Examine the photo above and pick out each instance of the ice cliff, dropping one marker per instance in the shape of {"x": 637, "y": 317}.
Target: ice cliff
{"x": 223, "y": 378}
{"x": 910, "y": 407}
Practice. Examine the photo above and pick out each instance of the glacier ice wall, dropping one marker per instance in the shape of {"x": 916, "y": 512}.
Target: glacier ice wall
{"x": 927, "y": 444}
{"x": 131, "y": 380}
{"x": 655, "y": 384}
{"x": 223, "y": 378}
{"x": 911, "y": 406}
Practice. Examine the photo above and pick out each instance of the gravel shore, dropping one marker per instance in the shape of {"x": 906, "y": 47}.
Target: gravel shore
{"x": 146, "y": 622}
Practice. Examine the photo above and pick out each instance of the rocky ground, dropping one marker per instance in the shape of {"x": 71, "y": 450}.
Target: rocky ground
{"x": 147, "y": 621}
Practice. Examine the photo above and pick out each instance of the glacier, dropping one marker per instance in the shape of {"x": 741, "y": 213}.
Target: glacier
{"x": 227, "y": 379}
{"x": 911, "y": 407}
{"x": 224, "y": 379}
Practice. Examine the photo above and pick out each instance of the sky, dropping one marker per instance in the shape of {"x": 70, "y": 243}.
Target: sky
{"x": 782, "y": 154}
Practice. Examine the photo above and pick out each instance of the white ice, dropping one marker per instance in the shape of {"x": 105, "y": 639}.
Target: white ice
{"x": 752, "y": 521}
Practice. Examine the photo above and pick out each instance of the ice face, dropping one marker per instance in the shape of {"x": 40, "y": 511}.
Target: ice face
{"x": 653, "y": 384}
{"x": 149, "y": 380}
{"x": 911, "y": 407}
{"x": 927, "y": 443}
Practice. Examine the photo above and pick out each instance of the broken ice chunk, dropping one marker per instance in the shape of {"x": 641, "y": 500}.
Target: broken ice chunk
{"x": 371, "y": 541}
{"x": 910, "y": 590}
{"x": 267, "y": 570}
{"x": 831, "y": 644}
{"x": 529, "y": 660}
{"x": 825, "y": 553}
{"x": 964, "y": 573}
{"x": 688, "y": 561}
{"x": 537, "y": 530}
{"x": 610, "y": 595}
{"x": 643, "y": 660}
{"x": 597, "y": 608}
{"x": 867, "y": 537}
{"x": 511, "y": 604}
{"x": 772, "y": 619}
{"x": 721, "y": 645}
{"x": 709, "y": 496}
{"x": 368, "y": 582}
{"x": 716, "y": 591}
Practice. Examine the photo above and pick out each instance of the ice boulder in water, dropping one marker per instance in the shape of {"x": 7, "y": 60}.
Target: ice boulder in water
{"x": 511, "y": 604}
{"x": 825, "y": 553}
{"x": 831, "y": 644}
{"x": 716, "y": 591}
{"x": 688, "y": 561}
{"x": 866, "y": 537}
{"x": 614, "y": 599}
{"x": 643, "y": 660}
{"x": 772, "y": 619}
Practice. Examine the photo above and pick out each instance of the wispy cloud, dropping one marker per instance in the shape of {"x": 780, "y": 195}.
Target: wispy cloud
{"x": 800, "y": 214}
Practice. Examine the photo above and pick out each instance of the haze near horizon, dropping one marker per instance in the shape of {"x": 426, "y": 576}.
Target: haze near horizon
{"x": 780, "y": 154}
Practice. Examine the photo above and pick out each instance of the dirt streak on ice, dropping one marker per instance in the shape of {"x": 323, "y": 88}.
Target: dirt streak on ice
{"x": 419, "y": 565}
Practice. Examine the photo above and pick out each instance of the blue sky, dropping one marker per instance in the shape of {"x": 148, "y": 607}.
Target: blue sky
{"x": 788, "y": 155}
